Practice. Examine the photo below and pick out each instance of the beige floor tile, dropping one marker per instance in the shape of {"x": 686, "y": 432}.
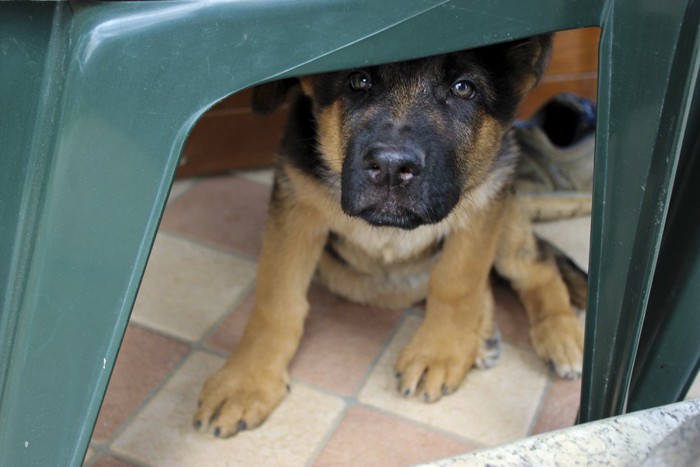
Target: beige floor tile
{"x": 187, "y": 287}
{"x": 179, "y": 188}
{"x": 571, "y": 235}
{"x": 263, "y": 176}
{"x": 694, "y": 391}
{"x": 89, "y": 455}
{"x": 368, "y": 437}
{"x": 560, "y": 406}
{"x": 162, "y": 433}
{"x": 492, "y": 406}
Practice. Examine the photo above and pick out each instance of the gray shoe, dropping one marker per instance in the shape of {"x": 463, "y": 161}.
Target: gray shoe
{"x": 554, "y": 177}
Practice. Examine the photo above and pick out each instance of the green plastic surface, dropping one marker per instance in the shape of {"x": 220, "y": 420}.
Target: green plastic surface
{"x": 669, "y": 354}
{"x": 103, "y": 95}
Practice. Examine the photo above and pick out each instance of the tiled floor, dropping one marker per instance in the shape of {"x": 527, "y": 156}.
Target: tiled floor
{"x": 343, "y": 408}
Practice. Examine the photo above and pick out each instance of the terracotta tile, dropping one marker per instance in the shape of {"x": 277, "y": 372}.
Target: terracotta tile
{"x": 111, "y": 461}
{"x": 511, "y": 317}
{"x": 188, "y": 287}
{"x": 145, "y": 359}
{"x": 491, "y": 407}
{"x": 162, "y": 433}
{"x": 227, "y": 211}
{"x": 368, "y": 437}
{"x": 341, "y": 339}
{"x": 89, "y": 455}
{"x": 560, "y": 406}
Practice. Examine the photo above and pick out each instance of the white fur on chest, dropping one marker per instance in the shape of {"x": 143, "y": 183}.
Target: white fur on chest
{"x": 387, "y": 244}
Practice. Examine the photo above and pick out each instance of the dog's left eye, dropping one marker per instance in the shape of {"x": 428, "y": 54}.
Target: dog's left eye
{"x": 359, "y": 81}
{"x": 464, "y": 89}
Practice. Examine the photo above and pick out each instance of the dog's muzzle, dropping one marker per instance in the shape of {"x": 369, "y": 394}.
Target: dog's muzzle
{"x": 392, "y": 166}
{"x": 384, "y": 186}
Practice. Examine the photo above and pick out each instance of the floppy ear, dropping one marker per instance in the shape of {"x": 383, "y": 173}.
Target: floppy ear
{"x": 269, "y": 96}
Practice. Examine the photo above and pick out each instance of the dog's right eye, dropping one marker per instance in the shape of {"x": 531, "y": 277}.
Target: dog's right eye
{"x": 360, "y": 81}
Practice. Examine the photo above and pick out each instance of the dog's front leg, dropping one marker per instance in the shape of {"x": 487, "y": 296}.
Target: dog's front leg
{"x": 555, "y": 331}
{"x": 459, "y": 311}
{"x": 254, "y": 379}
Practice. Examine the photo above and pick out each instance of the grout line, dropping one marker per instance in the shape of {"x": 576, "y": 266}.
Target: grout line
{"x": 328, "y": 436}
{"x": 161, "y": 332}
{"x": 411, "y": 311}
{"x": 540, "y": 406}
{"x": 232, "y": 308}
{"x": 426, "y": 426}
{"x": 151, "y": 394}
{"x": 129, "y": 459}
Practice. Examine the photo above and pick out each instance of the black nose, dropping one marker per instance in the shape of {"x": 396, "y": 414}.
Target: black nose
{"x": 392, "y": 166}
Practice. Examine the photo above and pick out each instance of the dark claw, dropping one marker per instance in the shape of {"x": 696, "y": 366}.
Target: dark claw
{"x": 444, "y": 389}
{"x": 406, "y": 392}
{"x": 217, "y": 431}
{"x": 242, "y": 426}
{"x": 398, "y": 375}
{"x": 197, "y": 424}
{"x": 199, "y": 404}
{"x": 289, "y": 388}
{"x": 426, "y": 398}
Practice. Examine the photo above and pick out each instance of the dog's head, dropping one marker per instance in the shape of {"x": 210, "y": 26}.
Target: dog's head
{"x": 409, "y": 139}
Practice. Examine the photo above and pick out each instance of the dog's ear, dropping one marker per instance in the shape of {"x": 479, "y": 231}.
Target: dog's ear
{"x": 531, "y": 57}
{"x": 269, "y": 96}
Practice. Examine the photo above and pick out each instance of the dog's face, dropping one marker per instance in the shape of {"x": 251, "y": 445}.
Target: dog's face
{"x": 409, "y": 140}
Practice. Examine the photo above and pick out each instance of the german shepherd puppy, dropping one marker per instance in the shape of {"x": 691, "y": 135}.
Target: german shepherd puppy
{"x": 393, "y": 185}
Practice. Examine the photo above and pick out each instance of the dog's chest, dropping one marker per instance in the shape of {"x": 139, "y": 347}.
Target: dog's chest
{"x": 355, "y": 239}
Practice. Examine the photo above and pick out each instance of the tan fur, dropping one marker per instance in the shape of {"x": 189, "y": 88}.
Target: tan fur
{"x": 447, "y": 263}
{"x": 555, "y": 331}
{"x": 446, "y": 345}
{"x": 253, "y": 380}
{"x": 330, "y": 138}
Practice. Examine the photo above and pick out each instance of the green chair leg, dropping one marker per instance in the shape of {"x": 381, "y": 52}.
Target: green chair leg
{"x": 669, "y": 354}
{"x": 647, "y": 77}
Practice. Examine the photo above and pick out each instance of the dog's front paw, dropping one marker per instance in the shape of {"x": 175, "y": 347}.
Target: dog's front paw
{"x": 232, "y": 400}
{"x": 434, "y": 364}
{"x": 559, "y": 340}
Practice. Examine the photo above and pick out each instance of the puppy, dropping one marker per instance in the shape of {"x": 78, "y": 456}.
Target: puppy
{"x": 393, "y": 185}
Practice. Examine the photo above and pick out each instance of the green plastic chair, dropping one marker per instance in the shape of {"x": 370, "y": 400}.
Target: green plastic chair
{"x": 98, "y": 99}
